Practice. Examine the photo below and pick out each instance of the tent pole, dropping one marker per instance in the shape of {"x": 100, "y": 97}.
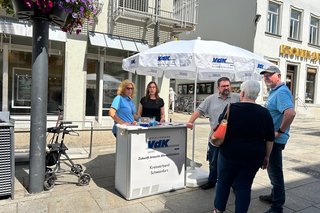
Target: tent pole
{"x": 192, "y": 164}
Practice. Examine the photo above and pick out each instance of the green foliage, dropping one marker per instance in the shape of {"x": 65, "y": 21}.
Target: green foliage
{"x": 7, "y": 6}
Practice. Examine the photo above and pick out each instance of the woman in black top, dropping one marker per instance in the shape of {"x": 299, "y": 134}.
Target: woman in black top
{"x": 246, "y": 148}
{"x": 152, "y": 105}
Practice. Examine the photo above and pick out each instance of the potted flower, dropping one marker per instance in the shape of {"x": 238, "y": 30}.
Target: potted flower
{"x": 70, "y": 15}
{"x": 79, "y": 11}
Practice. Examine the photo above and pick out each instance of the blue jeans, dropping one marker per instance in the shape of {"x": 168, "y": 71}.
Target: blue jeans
{"x": 212, "y": 157}
{"x": 275, "y": 173}
{"x": 239, "y": 174}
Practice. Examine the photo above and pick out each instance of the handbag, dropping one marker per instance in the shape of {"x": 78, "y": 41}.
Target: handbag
{"x": 219, "y": 132}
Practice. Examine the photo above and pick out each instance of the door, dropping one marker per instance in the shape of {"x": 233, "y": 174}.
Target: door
{"x": 291, "y": 78}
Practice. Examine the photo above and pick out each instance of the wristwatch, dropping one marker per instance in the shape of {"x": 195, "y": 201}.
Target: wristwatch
{"x": 280, "y": 131}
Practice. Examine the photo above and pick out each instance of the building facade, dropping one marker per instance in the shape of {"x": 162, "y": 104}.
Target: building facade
{"x": 286, "y": 32}
{"x": 85, "y": 70}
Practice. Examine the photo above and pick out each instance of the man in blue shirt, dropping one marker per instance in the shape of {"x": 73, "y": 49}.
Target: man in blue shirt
{"x": 281, "y": 108}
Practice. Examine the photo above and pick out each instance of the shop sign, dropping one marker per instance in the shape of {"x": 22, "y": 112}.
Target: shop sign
{"x": 299, "y": 52}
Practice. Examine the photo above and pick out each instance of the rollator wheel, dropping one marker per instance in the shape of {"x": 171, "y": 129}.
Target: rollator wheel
{"x": 77, "y": 169}
{"x": 49, "y": 182}
{"x": 84, "y": 179}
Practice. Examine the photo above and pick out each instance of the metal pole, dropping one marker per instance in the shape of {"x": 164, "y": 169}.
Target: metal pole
{"x": 192, "y": 164}
{"x": 156, "y": 40}
{"x": 39, "y": 92}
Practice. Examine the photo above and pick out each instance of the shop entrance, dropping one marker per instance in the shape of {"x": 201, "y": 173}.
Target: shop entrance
{"x": 291, "y": 78}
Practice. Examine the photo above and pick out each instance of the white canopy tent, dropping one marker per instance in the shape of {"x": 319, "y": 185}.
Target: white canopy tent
{"x": 197, "y": 60}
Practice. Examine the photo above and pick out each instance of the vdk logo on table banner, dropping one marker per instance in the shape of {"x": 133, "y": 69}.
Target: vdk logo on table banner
{"x": 152, "y": 144}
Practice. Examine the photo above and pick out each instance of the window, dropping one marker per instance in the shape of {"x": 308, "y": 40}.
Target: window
{"x": 314, "y": 31}
{"x": 112, "y": 77}
{"x": 310, "y": 85}
{"x": 19, "y": 89}
{"x": 295, "y": 20}
{"x": 273, "y": 18}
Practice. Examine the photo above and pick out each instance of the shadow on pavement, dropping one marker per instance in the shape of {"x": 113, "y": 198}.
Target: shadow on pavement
{"x": 22, "y": 174}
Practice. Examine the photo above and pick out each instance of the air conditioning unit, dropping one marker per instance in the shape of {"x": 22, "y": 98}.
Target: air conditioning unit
{"x": 6, "y": 159}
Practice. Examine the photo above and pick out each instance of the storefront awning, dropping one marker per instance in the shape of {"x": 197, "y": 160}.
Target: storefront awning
{"x": 117, "y": 42}
{"x": 24, "y": 28}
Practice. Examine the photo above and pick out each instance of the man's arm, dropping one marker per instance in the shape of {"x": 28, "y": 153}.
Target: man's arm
{"x": 288, "y": 116}
{"x": 192, "y": 119}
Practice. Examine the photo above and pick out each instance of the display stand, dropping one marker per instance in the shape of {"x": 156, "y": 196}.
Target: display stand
{"x": 150, "y": 160}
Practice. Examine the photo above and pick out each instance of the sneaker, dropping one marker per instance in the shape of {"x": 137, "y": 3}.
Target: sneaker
{"x": 266, "y": 198}
{"x": 208, "y": 185}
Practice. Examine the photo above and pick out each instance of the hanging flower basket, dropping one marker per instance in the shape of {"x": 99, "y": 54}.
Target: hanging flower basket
{"x": 58, "y": 16}
{"x": 21, "y": 9}
{"x": 28, "y": 9}
{"x": 57, "y": 12}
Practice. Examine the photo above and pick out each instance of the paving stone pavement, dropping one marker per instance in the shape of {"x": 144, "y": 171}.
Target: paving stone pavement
{"x": 301, "y": 169}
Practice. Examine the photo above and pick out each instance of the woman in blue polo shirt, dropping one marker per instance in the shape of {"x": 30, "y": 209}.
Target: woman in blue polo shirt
{"x": 122, "y": 109}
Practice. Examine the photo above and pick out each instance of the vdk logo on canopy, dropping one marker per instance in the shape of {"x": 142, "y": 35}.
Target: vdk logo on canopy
{"x": 219, "y": 60}
{"x": 166, "y": 60}
{"x": 260, "y": 66}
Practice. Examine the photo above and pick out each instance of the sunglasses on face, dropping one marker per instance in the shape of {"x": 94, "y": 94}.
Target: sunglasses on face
{"x": 129, "y": 88}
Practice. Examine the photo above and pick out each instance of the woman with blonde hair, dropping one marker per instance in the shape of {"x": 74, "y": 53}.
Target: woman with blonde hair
{"x": 122, "y": 109}
{"x": 152, "y": 105}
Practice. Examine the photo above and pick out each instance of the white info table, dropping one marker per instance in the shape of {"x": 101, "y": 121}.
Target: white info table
{"x": 150, "y": 160}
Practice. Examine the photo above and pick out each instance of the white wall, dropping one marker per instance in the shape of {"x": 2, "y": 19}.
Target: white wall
{"x": 75, "y": 80}
{"x": 230, "y": 21}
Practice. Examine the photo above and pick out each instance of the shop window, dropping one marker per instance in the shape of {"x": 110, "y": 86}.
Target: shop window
{"x": 235, "y": 87}
{"x": 20, "y": 80}
{"x": 273, "y": 18}
{"x": 91, "y": 87}
{"x": 112, "y": 76}
{"x": 310, "y": 85}
{"x": 314, "y": 31}
{"x": 295, "y": 21}
{"x": 202, "y": 89}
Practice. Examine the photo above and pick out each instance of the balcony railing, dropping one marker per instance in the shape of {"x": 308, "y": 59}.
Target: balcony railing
{"x": 181, "y": 15}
